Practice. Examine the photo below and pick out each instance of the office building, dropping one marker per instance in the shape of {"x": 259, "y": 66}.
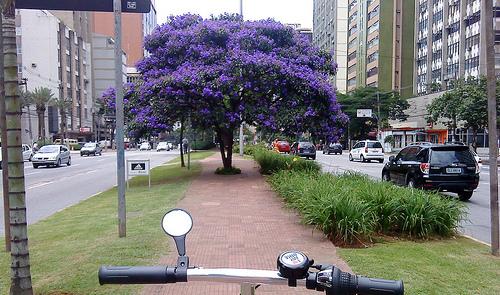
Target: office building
{"x": 380, "y": 44}
{"x": 330, "y": 34}
{"x": 55, "y": 55}
{"x": 449, "y": 44}
{"x": 135, "y": 26}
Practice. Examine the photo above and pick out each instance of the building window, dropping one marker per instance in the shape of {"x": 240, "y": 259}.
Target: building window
{"x": 351, "y": 69}
{"x": 372, "y": 72}
{"x": 373, "y": 13}
{"x": 351, "y": 56}
{"x": 353, "y": 30}
{"x": 352, "y": 43}
{"x": 373, "y": 28}
{"x": 471, "y": 63}
{"x": 372, "y": 57}
{"x": 351, "y": 82}
{"x": 372, "y": 42}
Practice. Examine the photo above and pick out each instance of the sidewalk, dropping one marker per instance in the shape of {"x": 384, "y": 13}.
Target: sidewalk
{"x": 239, "y": 222}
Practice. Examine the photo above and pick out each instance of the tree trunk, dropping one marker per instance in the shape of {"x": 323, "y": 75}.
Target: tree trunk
{"x": 226, "y": 139}
{"x": 5, "y": 159}
{"x": 40, "y": 116}
{"x": 63, "y": 124}
{"x": 474, "y": 139}
{"x": 20, "y": 260}
{"x": 454, "y": 130}
{"x": 181, "y": 147}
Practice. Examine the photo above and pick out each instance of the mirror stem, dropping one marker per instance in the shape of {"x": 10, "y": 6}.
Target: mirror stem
{"x": 180, "y": 242}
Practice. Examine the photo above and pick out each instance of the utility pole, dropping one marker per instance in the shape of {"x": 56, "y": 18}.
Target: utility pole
{"x": 487, "y": 30}
{"x": 25, "y": 83}
{"x": 378, "y": 115}
{"x": 120, "y": 144}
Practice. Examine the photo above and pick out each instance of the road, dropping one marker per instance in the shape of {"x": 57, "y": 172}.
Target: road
{"x": 49, "y": 190}
{"x": 478, "y": 223}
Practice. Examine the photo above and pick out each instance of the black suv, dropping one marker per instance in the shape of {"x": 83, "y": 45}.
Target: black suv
{"x": 449, "y": 168}
{"x": 333, "y": 148}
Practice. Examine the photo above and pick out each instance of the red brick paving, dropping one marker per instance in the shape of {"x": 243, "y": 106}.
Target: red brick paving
{"x": 239, "y": 222}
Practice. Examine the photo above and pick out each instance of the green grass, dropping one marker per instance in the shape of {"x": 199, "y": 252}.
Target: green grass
{"x": 271, "y": 162}
{"x": 67, "y": 248}
{"x": 454, "y": 267}
{"x": 196, "y": 155}
{"x": 352, "y": 208}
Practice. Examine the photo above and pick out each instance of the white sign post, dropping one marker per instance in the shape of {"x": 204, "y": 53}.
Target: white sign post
{"x": 364, "y": 113}
{"x": 138, "y": 168}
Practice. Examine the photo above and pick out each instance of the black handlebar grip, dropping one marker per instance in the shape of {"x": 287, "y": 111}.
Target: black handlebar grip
{"x": 367, "y": 286}
{"x": 136, "y": 275}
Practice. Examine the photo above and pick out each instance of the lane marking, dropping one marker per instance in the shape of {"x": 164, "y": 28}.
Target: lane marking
{"x": 31, "y": 173}
{"x": 40, "y": 184}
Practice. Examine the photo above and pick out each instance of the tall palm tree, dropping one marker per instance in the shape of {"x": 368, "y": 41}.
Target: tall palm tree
{"x": 20, "y": 258}
{"x": 63, "y": 105}
{"x": 41, "y": 97}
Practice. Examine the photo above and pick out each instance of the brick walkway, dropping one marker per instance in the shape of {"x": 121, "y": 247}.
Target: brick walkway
{"x": 239, "y": 222}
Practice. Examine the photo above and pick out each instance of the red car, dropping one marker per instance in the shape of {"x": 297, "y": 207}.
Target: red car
{"x": 282, "y": 147}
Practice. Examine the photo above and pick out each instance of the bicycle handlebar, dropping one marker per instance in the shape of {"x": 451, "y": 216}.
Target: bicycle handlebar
{"x": 331, "y": 280}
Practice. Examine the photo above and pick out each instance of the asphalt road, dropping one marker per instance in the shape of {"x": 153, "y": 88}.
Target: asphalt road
{"x": 49, "y": 190}
{"x": 477, "y": 224}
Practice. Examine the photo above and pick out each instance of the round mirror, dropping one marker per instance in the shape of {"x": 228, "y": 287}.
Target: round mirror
{"x": 177, "y": 222}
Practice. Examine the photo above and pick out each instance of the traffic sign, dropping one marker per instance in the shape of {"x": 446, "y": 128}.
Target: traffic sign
{"x": 138, "y": 168}
{"x": 364, "y": 113}
{"x": 131, "y": 6}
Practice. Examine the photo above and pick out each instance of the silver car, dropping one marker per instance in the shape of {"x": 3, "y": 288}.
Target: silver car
{"x": 51, "y": 155}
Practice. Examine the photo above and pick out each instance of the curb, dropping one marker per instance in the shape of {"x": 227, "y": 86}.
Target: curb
{"x": 476, "y": 240}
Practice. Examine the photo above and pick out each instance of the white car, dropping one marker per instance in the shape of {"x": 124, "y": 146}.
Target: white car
{"x": 144, "y": 146}
{"x": 162, "y": 146}
{"x": 367, "y": 150}
{"x": 478, "y": 159}
{"x": 27, "y": 152}
{"x": 51, "y": 155}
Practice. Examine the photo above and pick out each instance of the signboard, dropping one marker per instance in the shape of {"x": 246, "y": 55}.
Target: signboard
{"x": 131, "y": 6}
{"x": 364, "y": 113}
{"x": 85, "y": 129}
{"x": 138, "y": 167}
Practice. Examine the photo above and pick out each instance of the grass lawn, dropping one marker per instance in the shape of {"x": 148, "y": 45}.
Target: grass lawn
{"x": 456, "y": 266}
{"x": 67, "y": 248}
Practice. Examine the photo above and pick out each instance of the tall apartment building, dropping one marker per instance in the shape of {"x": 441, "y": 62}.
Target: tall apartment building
{"x": 54, "y": 52}
{"x": 135, "y": 26}
{"x": 330, "y": 34}
{"x": 380, "y": 44}
{"x": 449, "y": 44}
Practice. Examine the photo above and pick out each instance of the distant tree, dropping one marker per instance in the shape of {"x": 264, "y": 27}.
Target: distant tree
{"x": 392, "y": 107}
{"x": 63, "y": 104}
{"x": 41, "y": 97}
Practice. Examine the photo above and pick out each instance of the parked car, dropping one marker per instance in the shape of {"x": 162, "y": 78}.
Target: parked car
{"x": 91, "y": 148}
{"x": 333, "y": 148}
{"x": 304, "y": 149}
{"x": 449, "y": 168}
{"x": 145, "y": 146}
{"x": 52, "y": 155}
{"x": 367, "y": 150}
{"x": 162, "y": 146}
{"x": 27, "y": 153}
{"x": 282, "y": 147}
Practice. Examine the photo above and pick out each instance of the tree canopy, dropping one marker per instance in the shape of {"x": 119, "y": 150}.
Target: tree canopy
{"x": 223, "y": 71}
{"x": 392, "y": 107}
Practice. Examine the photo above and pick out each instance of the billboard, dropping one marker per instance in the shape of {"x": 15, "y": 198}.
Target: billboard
{"x": 131, "y": 6}
{"x": 364, "y": 113}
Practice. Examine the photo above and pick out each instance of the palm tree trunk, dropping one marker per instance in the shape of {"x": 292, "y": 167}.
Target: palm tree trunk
{"x": 5, "y": 160}
{"x": 20, "y": 259}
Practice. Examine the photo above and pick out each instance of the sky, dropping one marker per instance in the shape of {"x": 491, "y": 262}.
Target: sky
{"x": 285, "y": 11}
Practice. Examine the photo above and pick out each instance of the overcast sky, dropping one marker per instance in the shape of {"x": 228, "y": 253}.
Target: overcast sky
{"x": 285, "y": 11}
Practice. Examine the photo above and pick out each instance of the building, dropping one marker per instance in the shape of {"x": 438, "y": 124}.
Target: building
{"x": 449, "y": 43}
{"x": 55, "y": 55}
{"x": 380, "y": 44}
{"x": 135, "y": 26}
{"x": 330, "y": 34}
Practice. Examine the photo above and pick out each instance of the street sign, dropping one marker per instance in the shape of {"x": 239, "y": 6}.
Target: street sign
{"x": 131, "y": 6}
{"x": 364, "y": 113}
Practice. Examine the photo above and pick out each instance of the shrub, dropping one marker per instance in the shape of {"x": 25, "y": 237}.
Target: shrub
{"x": 351, "y": 208}
{"x": 249, "y": 149}
{"x": 202, "y": 145}
{"x": 271, "y": 162}
{"x": 229, "y": 171}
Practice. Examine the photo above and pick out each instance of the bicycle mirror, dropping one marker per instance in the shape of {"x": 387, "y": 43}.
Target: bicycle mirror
{"x": 177, "y": 223}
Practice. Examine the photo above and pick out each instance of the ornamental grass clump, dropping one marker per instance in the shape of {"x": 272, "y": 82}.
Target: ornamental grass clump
{"x": 351, "y": 208}
{"x": 271, "y": 162}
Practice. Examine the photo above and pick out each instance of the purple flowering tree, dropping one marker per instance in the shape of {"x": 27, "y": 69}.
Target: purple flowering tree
{"x": 216, "y": 73}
